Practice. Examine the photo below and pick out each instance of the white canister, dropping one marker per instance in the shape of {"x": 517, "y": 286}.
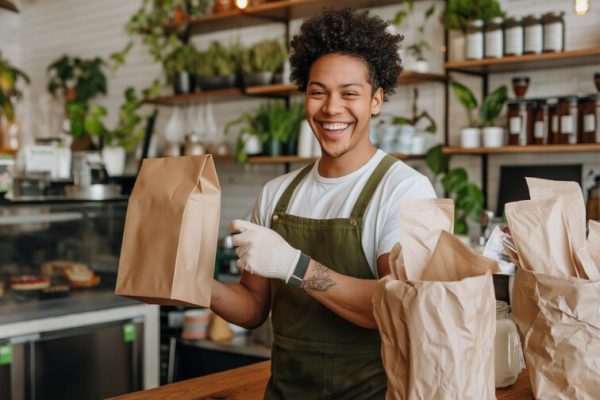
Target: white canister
{"x": 474, "y": 42}
{"x": 513, "y": 37}
{"x": 554, "y": 30}
{"x": 494, "y": 39}
{"x": 470, "y": 137}
{"x": 533, "y": 34}
{"x": 114, "y": 160}
{"x": 493, "y": 136}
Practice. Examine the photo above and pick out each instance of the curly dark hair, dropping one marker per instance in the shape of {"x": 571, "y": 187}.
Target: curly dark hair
{"x": 349, "y": 32}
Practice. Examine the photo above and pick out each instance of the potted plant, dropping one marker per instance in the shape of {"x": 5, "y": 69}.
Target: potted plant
{"x": 417, "y": 142}
{"x": 259, "y": 62}
{"x": 419, "y": 45}
{"x": 468, "y": 197}
{"x": 10, "y": 77}
{"x": 180, "y": 67}
{"x": 459, "y": 13}
{"x": 217, "y": 66}
{"x": 128, "y": 132}
{"x": 77, "y": 81}
{"x": 488, "y": 113}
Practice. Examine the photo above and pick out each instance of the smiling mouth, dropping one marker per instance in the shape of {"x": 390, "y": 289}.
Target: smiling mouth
{"x": 334, "y": 127}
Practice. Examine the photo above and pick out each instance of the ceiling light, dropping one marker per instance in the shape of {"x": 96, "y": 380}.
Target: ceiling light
{"x": 241, "y": 4}
{"x": 582, "y": 7}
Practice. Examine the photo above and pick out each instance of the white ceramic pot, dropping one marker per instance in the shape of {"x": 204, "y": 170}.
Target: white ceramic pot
{"x": 493, "y": 136}
{"x": 419, "y": 144}
{"x": 421, "y": 66}
{"x": 114, "y": 160}
{"x": 470, "y": 137}
{"x": 457, "y": 46}
{"x": 252, "y": 144}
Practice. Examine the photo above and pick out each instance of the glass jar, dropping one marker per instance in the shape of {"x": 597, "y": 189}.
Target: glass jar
{"x": 494, "y": 38}
{"x": 520, "y": 123}
{"x": 506, "y": 347}
{"x": 554, "y": 31}
{"x": 567, "y": 111}
{"x": 587, "y": 119}
{"x": 540, "y": 125}
{"x": 474, "y": 42}
{"x": 533, "y": 33}
{"x": 513, "y": 36}
{"x": 553, "y": 132}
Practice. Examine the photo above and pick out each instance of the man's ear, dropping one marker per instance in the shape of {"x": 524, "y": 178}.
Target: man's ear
{"x": 377, "y": 102}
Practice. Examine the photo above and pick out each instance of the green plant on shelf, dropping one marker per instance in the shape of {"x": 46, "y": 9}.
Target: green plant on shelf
{"x": 10, "y": 76}
{"x": 183, "y": 59}
{"x": 491, "y": 107}
{"x": 416, "y": 116}
{"x": 218, "y": 60}
{"x": 468, "y": 197}
{"x": 419, "y": 45}
{"x": 264, "y": 56}
{"x": 459, "y": 13}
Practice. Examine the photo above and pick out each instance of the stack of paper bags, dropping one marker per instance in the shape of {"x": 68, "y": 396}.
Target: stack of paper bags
{"x": 556, "y": 297}
{"x": 436, "y": 312}
{"x": 171, "y": 232}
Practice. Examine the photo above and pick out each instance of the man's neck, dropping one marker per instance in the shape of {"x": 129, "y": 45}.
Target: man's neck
{"x": 335, "y": 167}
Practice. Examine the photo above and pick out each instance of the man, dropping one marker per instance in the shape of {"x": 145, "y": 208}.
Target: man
{"x": 321, "y": 236}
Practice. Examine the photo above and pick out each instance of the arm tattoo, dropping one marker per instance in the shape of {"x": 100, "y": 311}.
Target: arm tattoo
{"x": 320, "y": 281}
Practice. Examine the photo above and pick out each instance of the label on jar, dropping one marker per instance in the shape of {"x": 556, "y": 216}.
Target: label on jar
{"x": 555, "y": 123}
{"x": 533, "y": 39}
{"x": 553, "y": 36}
{"x": 514, "y": 41}
{"x": 493, "y": 44}
{"x": 515, "y": 125}
{"x": 566, "y": 125}
{"x": 475, "y": 46}
{"x": 589, "y": 123}
{"x": 538, "y": 129}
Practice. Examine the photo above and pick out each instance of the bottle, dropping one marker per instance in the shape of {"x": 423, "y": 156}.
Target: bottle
{"x": 494, "y": 38}
{"x": 593, "y": 201}
{"x": 474, "y": 40}
{"x": 587, "y": 118}
{"x": 554, "y": 31}
{"x": 513, "y": 36}
{"x": 520, "y": 123}
{"x": 540, "y": 128}
{"x": 532, "y": 41}
{"x": 506, "y": 347}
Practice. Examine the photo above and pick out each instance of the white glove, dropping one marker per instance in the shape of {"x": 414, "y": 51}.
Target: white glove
{"x": 262, "y": 251}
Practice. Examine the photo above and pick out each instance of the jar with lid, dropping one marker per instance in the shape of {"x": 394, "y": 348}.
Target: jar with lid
{"x": 554, "y": 31}
{"x": 474, "y": 42}
{"x": 540, "y": 125}
{"x": 494, "y": 38}
{"x": 567, "y": 111}
{"x": 553, "y": 125}
{"x": 589, "y": 108}
{"x": 520, "y": 123}
{"x": 506, "y": 347}
{"x": 513, "y": 36}
{"x": 533, "y": 34}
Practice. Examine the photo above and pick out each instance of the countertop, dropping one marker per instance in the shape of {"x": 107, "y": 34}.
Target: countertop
{"x": 78, "y": 301}
{"x": 248, "y": 383}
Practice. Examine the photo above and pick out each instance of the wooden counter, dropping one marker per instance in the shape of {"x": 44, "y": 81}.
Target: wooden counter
{"x": 248, "y": 383}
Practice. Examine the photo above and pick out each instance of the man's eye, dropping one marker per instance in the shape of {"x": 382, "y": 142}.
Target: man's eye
{"x": 316, "y": 93}
{"x": 350, "y": 94}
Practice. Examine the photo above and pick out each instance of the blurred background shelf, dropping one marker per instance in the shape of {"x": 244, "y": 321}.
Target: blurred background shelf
{"x": 547, "y": 148}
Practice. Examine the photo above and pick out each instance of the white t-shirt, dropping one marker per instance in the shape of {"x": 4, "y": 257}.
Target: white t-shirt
{"x": 318, "y": 197}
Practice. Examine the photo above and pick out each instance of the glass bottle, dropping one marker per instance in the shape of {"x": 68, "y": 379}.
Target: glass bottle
{"x": 513, "y": 36}
{"x": 506, "y": 347}
{"x": 474, "y": 42}
{"x": 587, "y": 118}
{"x": 540, "y": 128}
{"x": 568, "y": 116}
{"x": 494, "y": 38}
{"x": 520, "y": 123}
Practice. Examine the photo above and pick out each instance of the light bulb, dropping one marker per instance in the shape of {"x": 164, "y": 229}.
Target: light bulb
{"x": 241, "y": 4}
{"x": 582, "y": 7}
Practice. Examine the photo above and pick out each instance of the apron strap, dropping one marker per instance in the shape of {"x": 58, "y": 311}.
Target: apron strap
{"x": 283, "y": 202}
{"x": 367, "y": 193}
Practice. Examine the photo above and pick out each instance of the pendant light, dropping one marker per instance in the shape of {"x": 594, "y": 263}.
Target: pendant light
{"x": 581, "y": 6}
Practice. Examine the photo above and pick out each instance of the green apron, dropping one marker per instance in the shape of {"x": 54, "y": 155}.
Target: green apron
{"x": 316, "y": 354}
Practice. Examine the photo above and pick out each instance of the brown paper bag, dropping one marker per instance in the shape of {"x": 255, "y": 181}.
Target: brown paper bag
{"x": 171, "y": 232}
{"x": 438, "y": 336}
{"x": 559, "y": 324}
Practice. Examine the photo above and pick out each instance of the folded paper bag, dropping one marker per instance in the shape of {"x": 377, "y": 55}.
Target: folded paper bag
{"x": 171, "y": 232}
{"x": 559, "y": 324}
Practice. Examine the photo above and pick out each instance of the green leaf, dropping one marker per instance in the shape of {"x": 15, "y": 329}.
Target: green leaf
{"x": 492, "y": 106}
{"x": 399, "y": 17}
{"x": 460, "y": 225}
{"x": 436, "y": 160}
{"x": 429, "y": 12}
{"x": 464, "y": 95}
{"x": 455, "y": 180}
{"x": 401, "y": 121}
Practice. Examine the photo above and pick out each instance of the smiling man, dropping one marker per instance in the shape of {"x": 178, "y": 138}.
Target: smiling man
{"x": 320, "y": 237}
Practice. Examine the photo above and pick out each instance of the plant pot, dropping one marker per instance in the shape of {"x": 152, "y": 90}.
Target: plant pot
{"x": 215, "y": 82}
{"x": 184, "y": 82}
{"x": 273, "y": 147}
{"x": 290, "y": 147}
{"x": 114, "y": 160}
{"x": 252, "y": 145}
{"x": 258, "y": 78}
{"x": 421, "y": 66}
{"x": 493, "y": 136}
{"x": 457, "y": 46}
{"x": 83, "y": 143}
{"x": 470, "y": 137}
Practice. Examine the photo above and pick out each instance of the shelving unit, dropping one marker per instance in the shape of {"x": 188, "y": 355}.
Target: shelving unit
{"x": 275, "y": 90}
{"x": 483, "y": 68}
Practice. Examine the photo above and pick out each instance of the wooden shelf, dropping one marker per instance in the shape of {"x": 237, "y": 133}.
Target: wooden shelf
{"x": 548, "y": 148}
{"x": 276, "y": 90}
{"x": 281, "y": 11}
{"x": 529, "y": 61}
{"x": 7, "y": 151}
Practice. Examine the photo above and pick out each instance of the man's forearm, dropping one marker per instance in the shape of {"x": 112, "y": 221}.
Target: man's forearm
{"x": 238, "y": 305}
{"x": 350, "y": 298}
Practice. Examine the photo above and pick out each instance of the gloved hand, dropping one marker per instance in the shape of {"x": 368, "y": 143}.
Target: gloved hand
{"x": 262, "y": 251}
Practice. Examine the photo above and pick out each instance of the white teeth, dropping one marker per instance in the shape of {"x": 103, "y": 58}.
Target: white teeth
{"x": 334, "y": 126}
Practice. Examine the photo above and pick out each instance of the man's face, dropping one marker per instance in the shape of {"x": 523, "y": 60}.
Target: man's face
{"x": 339, "y": 104}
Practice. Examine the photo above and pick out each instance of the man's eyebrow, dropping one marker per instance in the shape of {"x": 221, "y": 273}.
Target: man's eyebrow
{"x": 345, "y": 85}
